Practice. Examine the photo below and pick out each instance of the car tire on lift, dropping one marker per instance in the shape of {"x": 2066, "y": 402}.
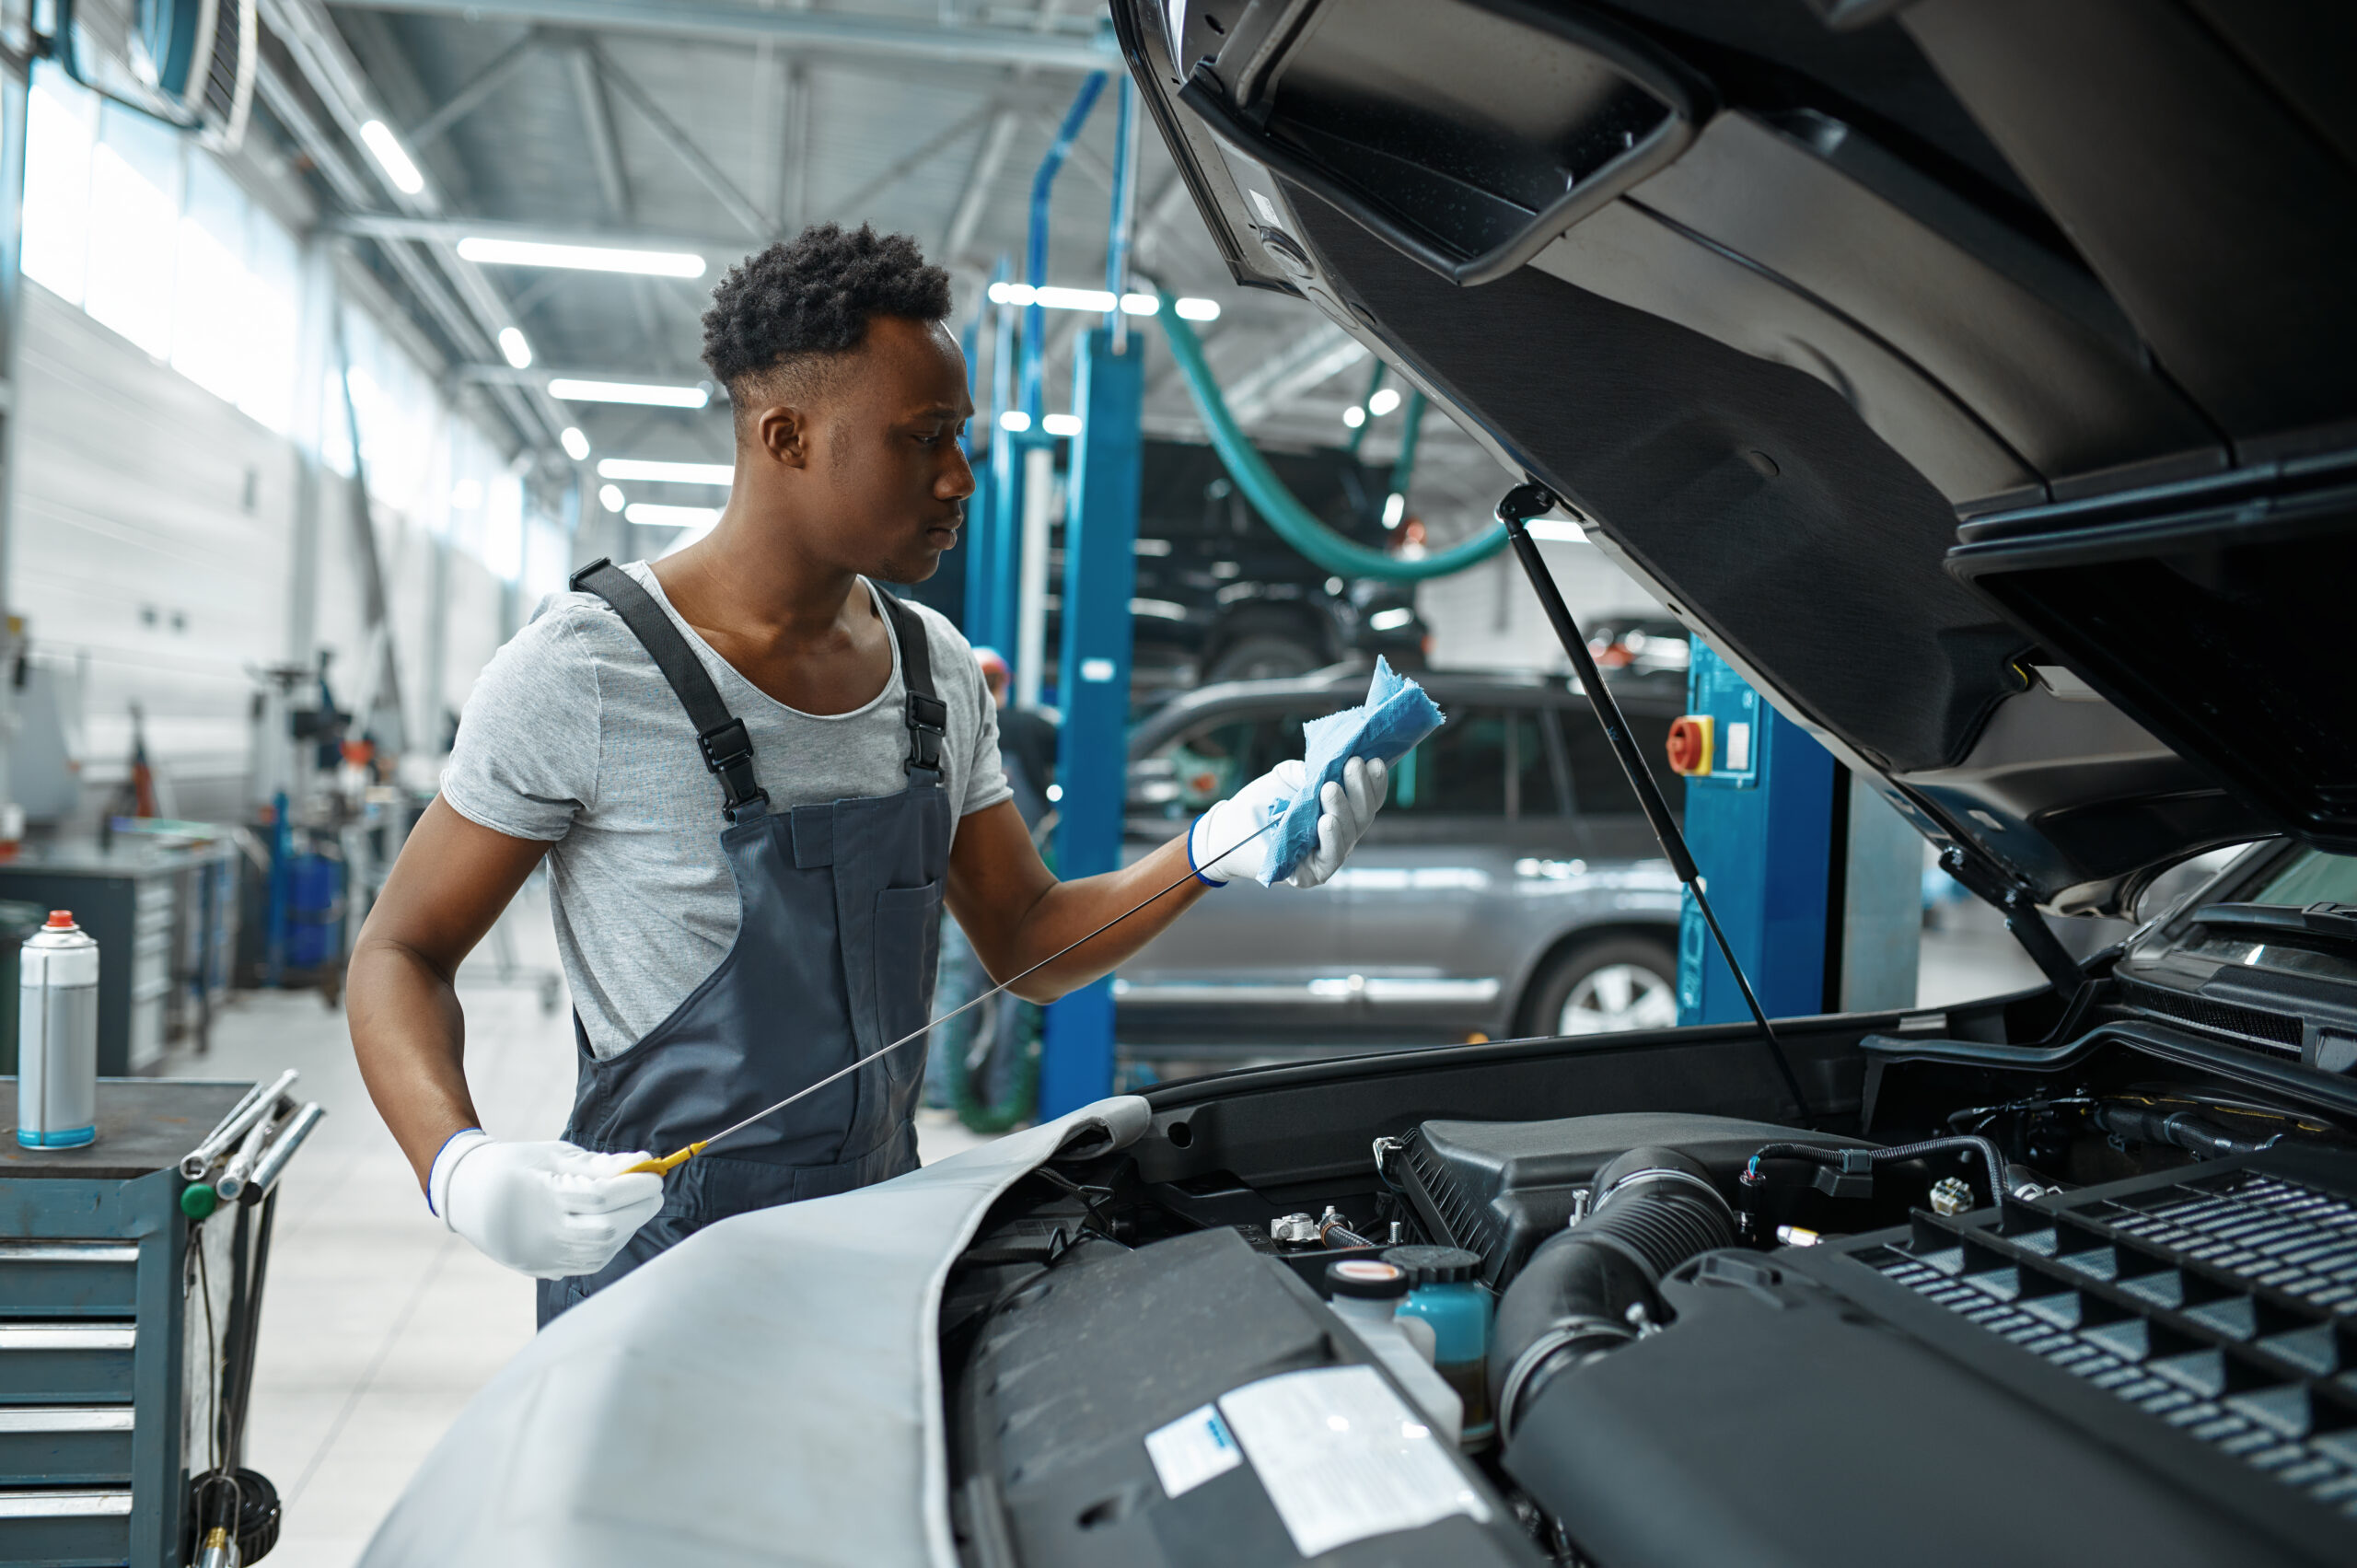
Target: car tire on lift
{"x": 1263, "y": 657}
{"x": 1603, "y": 986}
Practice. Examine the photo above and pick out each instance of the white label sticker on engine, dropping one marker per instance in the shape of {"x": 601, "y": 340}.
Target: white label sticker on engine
{"x": 1343, "y": 1459}
{"x": 1191, "y": 1450}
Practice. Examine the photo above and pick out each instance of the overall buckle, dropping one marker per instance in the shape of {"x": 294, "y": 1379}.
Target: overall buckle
{"x": 928, "y": 725}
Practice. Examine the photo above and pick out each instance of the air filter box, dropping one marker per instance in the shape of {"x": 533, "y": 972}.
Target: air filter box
{"x": 1500, "y": 1187}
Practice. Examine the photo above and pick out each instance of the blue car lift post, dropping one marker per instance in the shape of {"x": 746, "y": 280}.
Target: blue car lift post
{"x": 994, "y": 537}
{"x": 1816, "y": 881}
{"x": 1093, "y": 673}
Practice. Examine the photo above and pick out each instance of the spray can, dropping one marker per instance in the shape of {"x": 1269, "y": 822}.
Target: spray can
{"x": 57, "y": 1037}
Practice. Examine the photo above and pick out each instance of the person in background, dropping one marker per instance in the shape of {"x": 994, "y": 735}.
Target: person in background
{"x": 1026, "y": 740}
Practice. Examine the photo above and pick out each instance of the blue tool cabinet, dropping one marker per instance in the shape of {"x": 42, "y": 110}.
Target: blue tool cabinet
{"x": 104, "y": 1368}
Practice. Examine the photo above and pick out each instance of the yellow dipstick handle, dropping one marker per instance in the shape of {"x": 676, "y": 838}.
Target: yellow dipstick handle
{"x": 668, "y": 1162}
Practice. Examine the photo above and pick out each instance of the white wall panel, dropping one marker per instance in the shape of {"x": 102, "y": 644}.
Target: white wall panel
{"x": 150, "y": 541}
{"x": 155, "y": 551}
{"x": 1488, "y": 619}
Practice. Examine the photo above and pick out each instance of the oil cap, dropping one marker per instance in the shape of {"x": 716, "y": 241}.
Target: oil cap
{"x": 1368, "y": 1279}
{"x": 1434, "y": 1265}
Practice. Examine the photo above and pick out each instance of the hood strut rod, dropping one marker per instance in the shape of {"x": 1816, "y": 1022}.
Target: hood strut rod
{"x": 1517, "y": 508}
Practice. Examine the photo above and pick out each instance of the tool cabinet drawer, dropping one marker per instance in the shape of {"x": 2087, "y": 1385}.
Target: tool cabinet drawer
{"x": 67, "y": 1362}
{"x": 66, "y": 1446}
{"x": 81, "y": 1529}
{"x": 69, "y": 1279}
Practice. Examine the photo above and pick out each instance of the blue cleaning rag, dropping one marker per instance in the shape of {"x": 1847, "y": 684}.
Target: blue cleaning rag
{"x": 1395, "y": 715}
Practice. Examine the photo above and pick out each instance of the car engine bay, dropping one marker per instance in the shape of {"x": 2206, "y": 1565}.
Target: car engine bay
{"x": 2040, "y": 1279}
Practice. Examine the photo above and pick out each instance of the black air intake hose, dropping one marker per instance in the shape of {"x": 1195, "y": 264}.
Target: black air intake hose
{"x": 1654, "y": 1207}
{"x": 2197, "y": 1134}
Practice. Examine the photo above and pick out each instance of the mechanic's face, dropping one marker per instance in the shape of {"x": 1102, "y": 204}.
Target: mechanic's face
{"x": 883, "y": 481}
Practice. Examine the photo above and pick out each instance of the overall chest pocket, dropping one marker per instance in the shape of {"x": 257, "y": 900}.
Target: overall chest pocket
{"x": 907, "y": 952}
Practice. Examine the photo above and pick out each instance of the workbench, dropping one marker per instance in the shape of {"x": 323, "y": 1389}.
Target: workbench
{"x": 160, "y": 915}
{"x": 106, "y": 1364}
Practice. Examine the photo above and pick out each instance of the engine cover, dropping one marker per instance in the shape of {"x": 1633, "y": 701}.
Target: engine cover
{"x": 2138, "y": 1373}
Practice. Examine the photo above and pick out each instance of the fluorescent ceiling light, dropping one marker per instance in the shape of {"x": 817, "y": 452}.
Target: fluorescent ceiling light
{"x": 393, "y": 157}
{"x": 513, "y": 348}
{"x": 574, "y": 391}
{"x": 1386, "y": 399}
{"x": 580, "y": 258}
{"x": 1061, "y": 424}
{"x": 610, "y": 497}
{"x": 656, "y": 517}
{"x": 577, "y": 446}
{"x": 1556, "y": 530}
{"x": 1395, "y": 507}
{"x": 1354, "y": 416}
{"x": 1391, "y": 620}
{"x": 1015, "y": 420}
{"x": 1098, "y": 300}
{"x": 720, "y": 474}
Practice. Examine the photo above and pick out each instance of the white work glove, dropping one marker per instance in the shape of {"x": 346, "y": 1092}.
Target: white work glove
{"x": 1344, "y": 811}
{"x": 547, "y": 1210}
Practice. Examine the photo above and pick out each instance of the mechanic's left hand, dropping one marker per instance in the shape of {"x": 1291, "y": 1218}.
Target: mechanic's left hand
{"x": 1344, "y": 811}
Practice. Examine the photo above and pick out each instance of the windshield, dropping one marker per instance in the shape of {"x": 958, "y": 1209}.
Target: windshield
{"x": 2310, "y": 878}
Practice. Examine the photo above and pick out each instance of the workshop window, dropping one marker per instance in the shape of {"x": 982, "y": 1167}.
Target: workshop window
{"x": 1460, "y": 770}
{"x": 1598, "y": 786}
{"x": 1207, "y": 764}
{"x": 1535, "y": 792}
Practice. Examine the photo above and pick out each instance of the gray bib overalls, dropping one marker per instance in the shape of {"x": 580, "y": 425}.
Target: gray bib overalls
{"x": 836, "y": 940}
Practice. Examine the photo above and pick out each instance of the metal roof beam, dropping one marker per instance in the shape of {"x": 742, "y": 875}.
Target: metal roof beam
{"x": 673, "y": 135}
{"x": 832, "y": 32}
{"x": 472, "y": 96}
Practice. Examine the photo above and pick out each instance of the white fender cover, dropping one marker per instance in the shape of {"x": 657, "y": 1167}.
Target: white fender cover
{"x": 768, "y": 1392}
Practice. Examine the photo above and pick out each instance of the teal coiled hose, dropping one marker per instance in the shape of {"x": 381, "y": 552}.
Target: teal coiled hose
{"x": 1294, "y": 523}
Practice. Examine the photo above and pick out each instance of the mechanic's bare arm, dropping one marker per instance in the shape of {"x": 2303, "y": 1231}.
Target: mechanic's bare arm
{"x": 448, "y": 885}
{"x": 1015, "y": 912}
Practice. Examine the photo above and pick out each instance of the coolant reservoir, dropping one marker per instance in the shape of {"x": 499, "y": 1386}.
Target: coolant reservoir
{"x": 1444, "y": 1292}
{"x": 1366, "y": 1295}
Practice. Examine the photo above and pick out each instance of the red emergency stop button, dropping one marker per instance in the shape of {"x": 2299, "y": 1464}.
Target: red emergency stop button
{"x": 1690, "y": 745}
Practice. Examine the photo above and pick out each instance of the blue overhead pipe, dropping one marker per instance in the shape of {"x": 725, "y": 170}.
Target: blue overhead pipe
{"x": 995, "y": 562}
{"x": 1294, "y": 523}
{"x": 1035, "y": 255}
{"x": 1123, "y": 221}
{"x": 981, "y": 518}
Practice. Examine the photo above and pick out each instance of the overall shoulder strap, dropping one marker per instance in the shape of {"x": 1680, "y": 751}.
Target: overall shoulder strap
{"x": 727, "y": 750}
{"x": 928, "y": 716}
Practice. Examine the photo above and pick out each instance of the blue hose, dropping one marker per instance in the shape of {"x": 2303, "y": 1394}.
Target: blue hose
{"x": 1294, "y": 523}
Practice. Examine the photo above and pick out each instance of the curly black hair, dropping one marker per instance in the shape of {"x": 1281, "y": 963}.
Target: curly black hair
{"x": 795, "y": 304}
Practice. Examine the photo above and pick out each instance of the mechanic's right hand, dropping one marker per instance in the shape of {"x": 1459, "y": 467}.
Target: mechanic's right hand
{"x": 547, "y": 1210}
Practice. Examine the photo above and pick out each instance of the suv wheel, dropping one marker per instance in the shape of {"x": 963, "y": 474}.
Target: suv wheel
{"x": 1620, "y": 983}
{"x": 1264, "y": 657}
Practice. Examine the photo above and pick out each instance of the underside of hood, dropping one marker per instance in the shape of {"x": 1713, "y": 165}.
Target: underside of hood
{"x": 1980, "y": 376}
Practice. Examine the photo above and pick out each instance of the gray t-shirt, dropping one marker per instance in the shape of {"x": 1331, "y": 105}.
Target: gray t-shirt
{"x": 571, "y": 736}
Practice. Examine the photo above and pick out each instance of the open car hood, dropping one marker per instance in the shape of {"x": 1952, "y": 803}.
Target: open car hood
{"x": 1977, "y": 376}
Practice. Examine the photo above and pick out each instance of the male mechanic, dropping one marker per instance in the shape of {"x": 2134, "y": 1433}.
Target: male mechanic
{"x": 755, "y": 775}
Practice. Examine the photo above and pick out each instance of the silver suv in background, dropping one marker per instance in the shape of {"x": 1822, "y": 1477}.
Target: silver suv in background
{"x": 1509, "y": 887}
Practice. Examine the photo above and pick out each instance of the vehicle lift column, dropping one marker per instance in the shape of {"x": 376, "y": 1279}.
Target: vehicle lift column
{"x": 1093, "y": 679}
{"x": 1093, "y": 673}
{"x": 1814, "y": 878}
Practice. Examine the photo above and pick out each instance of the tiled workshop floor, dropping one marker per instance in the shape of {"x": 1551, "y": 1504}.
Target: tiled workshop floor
{"x": 379, "y": 1325}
